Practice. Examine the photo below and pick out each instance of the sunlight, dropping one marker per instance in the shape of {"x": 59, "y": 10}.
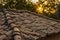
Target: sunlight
{"x": 47, "y": 6}
{"x": 46, "y": 10}
{"x": 40, "y": 9}
{"x": 53, "y": 10}
{"x": 46, "y": 2}
{"x": 34, "y": 1}
{"x": 59, "y": 0}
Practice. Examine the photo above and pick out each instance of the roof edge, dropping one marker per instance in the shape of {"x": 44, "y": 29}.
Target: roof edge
{"x": 21, "y": 11}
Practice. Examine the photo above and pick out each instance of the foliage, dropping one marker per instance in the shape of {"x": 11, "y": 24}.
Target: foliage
{"x": 22, "y": 4}
{"x": 19, "y": 4}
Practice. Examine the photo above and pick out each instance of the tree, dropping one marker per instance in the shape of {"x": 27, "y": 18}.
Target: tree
{"x": 58, "y": 11}
{"x": 21, "y": 4}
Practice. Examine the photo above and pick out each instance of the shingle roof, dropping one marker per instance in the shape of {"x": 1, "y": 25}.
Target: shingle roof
{"x": 25, "y": 25}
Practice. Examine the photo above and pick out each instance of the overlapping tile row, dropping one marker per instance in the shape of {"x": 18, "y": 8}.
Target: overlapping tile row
{"x": 29, "y": 26}
{"x": 4, "y": 31}
{"x": 33, "y": 27}
{"x": 13, "y": 20}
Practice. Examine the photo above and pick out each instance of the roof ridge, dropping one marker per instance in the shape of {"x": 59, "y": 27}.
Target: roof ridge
{"x": 21, "y": 11}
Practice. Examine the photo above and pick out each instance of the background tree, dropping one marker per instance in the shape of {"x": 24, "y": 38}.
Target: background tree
{"x": 58, "y": 11}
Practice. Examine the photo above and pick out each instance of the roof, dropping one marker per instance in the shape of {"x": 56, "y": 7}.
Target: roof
{"x": 26, "y": 25}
